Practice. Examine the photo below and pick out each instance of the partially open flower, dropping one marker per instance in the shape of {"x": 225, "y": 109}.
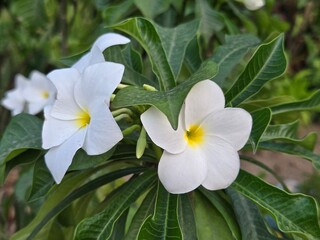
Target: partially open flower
{"x": 254, "y": 4}
{"x": 39, "y": 93}
{"x": 14, "y": 99}
{"x": 203, "y": 150}
{"x": 80, "y": 117}
{"x": 95, "y": 55}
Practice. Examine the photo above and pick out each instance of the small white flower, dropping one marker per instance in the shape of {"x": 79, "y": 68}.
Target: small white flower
{"x": 80, "y": 117}
{"x": 39, "y": 93}
{"x": 96, "y": 53}
{"x": 253, "y": 4}
{"x": 14, "y": 99}
{"x": 203, "y": 150}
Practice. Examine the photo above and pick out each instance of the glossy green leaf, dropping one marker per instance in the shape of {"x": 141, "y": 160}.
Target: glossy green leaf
{"x": 145, "y": 33}
{"x": 293, "y": 149}
{"x": 169, "y": 102}
{"x": 192, "y": 57}
{"x": 186, "y": 217}
{"x": 289, "y": 132}
{"x": 23, "y": 132}
{"x": 120, "y": 226}
{"x": 175, "y": 42}
{"x": 209, "y": 222}
{"x": 250, "y": 219}
{"x": 163, "y": 224}
{"x": 100, "y": 226}
{"x": 311, "y": 103}
{"x": 231, "y": 53}
{"x": 294, "y": 213}
{"x": 261, "y": 120}
{"x": 267, "y": 63}
{"x": 224, "y": 209}
{"x": 145, "y": 210}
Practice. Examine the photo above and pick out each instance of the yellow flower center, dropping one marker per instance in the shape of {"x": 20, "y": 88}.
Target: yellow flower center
{"x": 45, "y": 94}
{"x": 83, "y": 119}
{"x": 194, "y": 135}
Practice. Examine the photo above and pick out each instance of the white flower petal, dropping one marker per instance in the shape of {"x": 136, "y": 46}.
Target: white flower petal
{"x": 33, "y": 94}
{"x": 231, "y": 124}
{"x": 110, "y": 39}
{"x": 21, "y": 82}
{"x": 96, "y": 53}
{"x": 59, "y": 158}
{"x": 55, "y": 131}
{"x": 161, "y": 133}
{"x": 13, "y": 101}
{"x": 66, "y": 109}
{"x": 99, "y": 80}
{"x": 39, "y": 80}
{"x": 254, "y": 4}
{"x": 103, "y": 132}
{"x": 204, "y": 98}
{"x": 36, "y": 107}
{"x": 223, "y": 164}
{"x": 183, "y": 172}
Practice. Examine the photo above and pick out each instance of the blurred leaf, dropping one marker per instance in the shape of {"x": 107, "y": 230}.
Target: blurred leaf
{"x": 311, "y": 103}
{"x": 145, "y": 33}
{"x": 209, "y": 222}
{"x": 231, "y": 53}
{"x": 169, "y": 102}
{"x": 163, "y": 224}
{"x": 145, "y": 210}
{"x": 175, "y": 42}
{"x": 289, "y": 132}
{"x": 248, "y": 215}
{"x": 23, "y": 132}
{"x": 261, "y": 120}
{"x": 192, "y": 56}
{"x": 267, "y": 63}
{"x": 186, "y": 217}
{"x": 294, "y": 213}
{"x": 100, "y": 226}
{"x": 292, "y": 149}
{"x": 151, "y": 9}
{"x": 224, "y": 209}
{"x": 116, "y": 12}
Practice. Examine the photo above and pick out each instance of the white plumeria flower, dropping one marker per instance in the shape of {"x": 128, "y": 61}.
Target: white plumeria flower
{"x": 203, "y": 150}
{"x": 14, "y": 99}
{"x": 253, "y": 4}
{"x": 96, "y": 53}
{"x": 80, "y": 117}
{"x": 39, "y": 93}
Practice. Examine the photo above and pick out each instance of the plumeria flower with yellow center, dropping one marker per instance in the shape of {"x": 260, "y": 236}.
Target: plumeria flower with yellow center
{"x": 80, "y": 117}
{"x": 95, "y": 55}
{"x": 14, "y": 99}
{"x": 39, "y": 93}
{"x": 203, "y": 150}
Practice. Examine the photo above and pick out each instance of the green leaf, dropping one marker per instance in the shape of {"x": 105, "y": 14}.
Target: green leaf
{"x": 311, "y": 103}
{"x": 62, "y": 195}
{"x": 192, "y": 56}
{"x": 151, "y": 9}
{"x": 163, "y": 224}
{"x": 175, "y": 42}
{"x": 294, "y": 213}
{"x": 186, "y": 217}
{"x": 169, "y": 102}
{"x": 23, "y": 132}
{"x": 145, "y": 33}
{"x": 267, "y": 63}
{"x": 209, "y": 222}
{"x": 261, "y": 120}
{"x": 145, "y": 210}
{"x": 114, "y": 13}
{"x": 230, "y": 54}
{"x": 224, "y": 209}
{"x": 288, "y": 132}
{"x": 101, "y": 225}
{"x": 251, "y": 222}
{"x": 293, "y": 149}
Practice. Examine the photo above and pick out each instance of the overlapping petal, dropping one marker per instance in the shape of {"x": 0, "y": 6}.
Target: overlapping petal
{"x": 231, "y": 124}
{"x": 204, "y": 98}
{"x": 223, "y": 163}
{"x": 59, "y": 158}
{"x": 182, "y": 173}
{"x": 103, "y": 132}
{"x": 161, "y": 132}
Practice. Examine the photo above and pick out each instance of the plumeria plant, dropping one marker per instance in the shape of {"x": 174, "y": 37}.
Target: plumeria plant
{"x": 144, "y": 137}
